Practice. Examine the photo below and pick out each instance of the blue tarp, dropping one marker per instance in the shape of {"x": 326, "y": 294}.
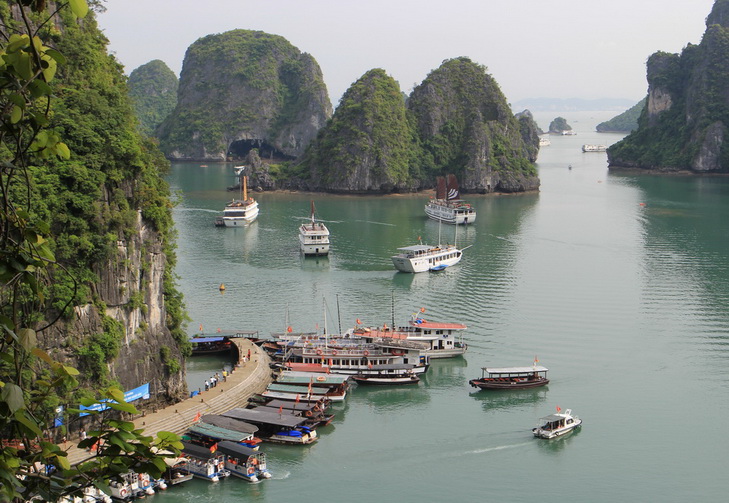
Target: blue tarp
{"x": 206, "y": 339}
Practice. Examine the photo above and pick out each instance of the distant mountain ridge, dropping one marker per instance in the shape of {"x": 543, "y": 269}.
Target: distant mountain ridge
{"x": 572, "y": 104}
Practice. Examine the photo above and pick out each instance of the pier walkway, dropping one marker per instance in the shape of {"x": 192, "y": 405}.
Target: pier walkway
{"x": 247, "y": 378}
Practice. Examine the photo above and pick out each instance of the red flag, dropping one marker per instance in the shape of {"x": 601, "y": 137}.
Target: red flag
{"x": 536, "y": 360}
{"x": 422, "y": 309}
{"x": 214, "y": 447}
{"x": 280, "y": 410}
{"x": 201, "y": 327}
{"x": 197, "y": 417}
{"x": 297, "y": 398}
{"x": 559, "y": 409}
{"x": 289, "y": 329}
{"x": 358, "y": 322}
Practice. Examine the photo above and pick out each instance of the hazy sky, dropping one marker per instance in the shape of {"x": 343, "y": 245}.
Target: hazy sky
{"x": 533, "y": 48}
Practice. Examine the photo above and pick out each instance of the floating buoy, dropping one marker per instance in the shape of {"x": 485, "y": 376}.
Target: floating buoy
{"x": 222, "y": 286}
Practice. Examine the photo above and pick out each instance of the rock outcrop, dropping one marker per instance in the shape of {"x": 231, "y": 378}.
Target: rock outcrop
{"x": 153, "y": 89}
{"x": 624, "y": 122}
{"x": 559, "y": 125}
{"x": 465, "y": 127}
{"x": 684, "y": 124}
{"x": 241, "y": 90}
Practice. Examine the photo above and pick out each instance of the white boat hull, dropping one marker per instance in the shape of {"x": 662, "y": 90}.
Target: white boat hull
{"x": 541, "y": 433}
{"x": 240, "y": 215}
{"x": 314, "y": 249}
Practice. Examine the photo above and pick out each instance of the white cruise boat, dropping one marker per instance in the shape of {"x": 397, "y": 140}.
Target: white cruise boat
{"x": 444, "y": 340}
{"x": 544, "y": 142}
{"x": 556, "y": 425}
{"x": 314, "y": 236}
{"x": 421, "y": 258}
{"x": 242, "y": 211}
{"x": 594, "y": 148}
{"x": 447, "y": 207}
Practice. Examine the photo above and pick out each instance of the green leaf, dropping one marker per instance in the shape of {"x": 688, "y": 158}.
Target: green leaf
{"x": 12, "y": 395}
{"x": 63, "y": 151}
{"x": 16, "y": 114}
{"x": 28, "y": 338}
{"x": 42, "y": 355}
{"x": 23, "y": 419}
{"x": 124, "y": 407}
{"x": 78, "y": 7}
{"x": 60, "y": 58}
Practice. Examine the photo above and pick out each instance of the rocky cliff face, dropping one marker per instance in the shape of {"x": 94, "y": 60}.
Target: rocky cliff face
{"x": 684, "y": 126}
{"x": 466, "y": 127}
{"x": 241, "y": 90}
{"x": 153, "y": 89}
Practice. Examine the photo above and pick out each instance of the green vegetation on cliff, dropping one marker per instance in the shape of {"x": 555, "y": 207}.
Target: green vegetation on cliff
{"x": 367, "y": 144}
{"x": 457, "y": 121}
{"x": 685, "y": 124}
{"x": 244, "y": 85}
{"x": 625, "y": 122}
{"x": 153, "y": 88}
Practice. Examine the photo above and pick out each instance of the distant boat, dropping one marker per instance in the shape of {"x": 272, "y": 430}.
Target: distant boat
{"x": 556, "y": 425}
{"x": 239, "y": 212}
{"x": 544, "y": 142}
{"x": 594, "y": 148}
{"x": 568, "y": 132}
{"x": 314, "y": 236}
{"x": 447, "y": 206}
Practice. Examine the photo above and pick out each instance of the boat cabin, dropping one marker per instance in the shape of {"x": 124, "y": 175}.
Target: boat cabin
{"x": 244, "y": 462}
{"x": 204, "y": 463}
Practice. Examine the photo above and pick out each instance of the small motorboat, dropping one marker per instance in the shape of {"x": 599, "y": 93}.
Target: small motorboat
{"x": 556, "y": 425}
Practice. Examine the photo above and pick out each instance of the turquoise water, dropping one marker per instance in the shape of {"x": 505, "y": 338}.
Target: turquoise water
{"x": 617, "y": 282}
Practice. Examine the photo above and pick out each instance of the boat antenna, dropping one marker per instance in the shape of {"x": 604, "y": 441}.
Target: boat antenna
{"x": 393, "y": 309}
{"x": 339, "y": 317}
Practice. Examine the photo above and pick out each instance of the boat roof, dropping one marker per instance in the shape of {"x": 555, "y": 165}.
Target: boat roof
{"x": 217, "y": 432}
{"x": 297, "y": 389}
{"x": 206, "y": 339}
{"x": 257, "y": 416}
{"x": 416, "y": 248}
{"x": 514, "y": 370}
{"x": 307, "y": 367}
{"x": 235, "y": 449}
{"x": 555, "y": 417}
{"x": 288, "y": 404}
{"x": 314, "y": 397}
{"x": 197, "y": 451}
{"x": 311, "y": 377}
{"x": 421, "y": 323}
{"x": 229, "y": 423}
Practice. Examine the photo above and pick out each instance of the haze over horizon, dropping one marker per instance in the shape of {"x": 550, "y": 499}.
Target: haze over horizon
{"x": 585, "y": 49}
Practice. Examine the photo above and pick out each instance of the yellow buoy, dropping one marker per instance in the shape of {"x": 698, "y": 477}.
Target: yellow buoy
{"x": 222, "y": 286}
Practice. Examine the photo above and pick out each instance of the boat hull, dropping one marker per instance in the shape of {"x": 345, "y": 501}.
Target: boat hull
{"x": 386, "y": 381}
{"x": 426, "y": 263}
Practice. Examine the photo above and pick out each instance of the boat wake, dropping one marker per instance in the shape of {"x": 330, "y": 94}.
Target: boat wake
{"x": 201, "y": 210}
{"x": 376, "y": 223}
{"x": 497, "y": 448}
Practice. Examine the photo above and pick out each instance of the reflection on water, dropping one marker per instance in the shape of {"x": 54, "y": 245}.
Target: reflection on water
{"x": 390, "y": 398}
{"x": 493, "y": 400}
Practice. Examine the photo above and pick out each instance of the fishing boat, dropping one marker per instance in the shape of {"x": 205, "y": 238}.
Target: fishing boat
{"x": 447, "y": 206}
{"x": 387, "y": 375}
{"x": 314, "y": 236}
{"x": 556, "y": 425}
{"x": 511, "y": 377}
{"x": 241, "y": 211}
{"x": 243, "y": 462}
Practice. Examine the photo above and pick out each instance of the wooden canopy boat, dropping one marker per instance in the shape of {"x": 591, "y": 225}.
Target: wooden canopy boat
{"x": 511, "y": 377}
{"x": 388, "y": 375}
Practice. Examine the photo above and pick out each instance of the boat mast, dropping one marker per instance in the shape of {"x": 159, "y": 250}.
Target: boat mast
{"x": 244, "y": 187}
{"x": 312, "y": 213}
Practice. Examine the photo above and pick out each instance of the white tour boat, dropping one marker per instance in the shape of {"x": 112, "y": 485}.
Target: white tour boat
{"x": 239, "y": 212}
{"x": 557, "y": 424}
{"x": 421, "y": 258}
{"x": 314, "y": 236}
{"x": 544, "y": 142}
{"x": 594, "y": 148}
{"x": 447, "y": 207}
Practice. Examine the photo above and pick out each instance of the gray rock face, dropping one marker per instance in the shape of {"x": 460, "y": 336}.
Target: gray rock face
{"x": 245, "y": 89}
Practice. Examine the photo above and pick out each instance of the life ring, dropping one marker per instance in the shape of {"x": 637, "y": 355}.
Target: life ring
{"x": 318, "y": 351}
{"x": 307, "y": 413}
{"x": 321, "y": 378}
{"x": 123, "y": 492}
{"x": 366, "y": 353}
{"x": 251, "y": 470}
{"x": 334, "y": 351}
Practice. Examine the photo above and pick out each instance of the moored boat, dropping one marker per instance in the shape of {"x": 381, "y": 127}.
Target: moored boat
{"x": 387, "y": 375}
{"x": 244, "y": 462}
{"x": 511, "y": 377}
{"x": 204, "y": 463}
{"x": 242, "y": 211}
{"x": 421, "y": 258}
{"x": 275, "y": 427}
{"x": 314, "y": 236}
{"x": 556, "y": 425}
{"x": 447, "y": 206}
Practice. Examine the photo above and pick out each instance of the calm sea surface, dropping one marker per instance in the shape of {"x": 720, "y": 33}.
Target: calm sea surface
{"x": 619, "y": 283}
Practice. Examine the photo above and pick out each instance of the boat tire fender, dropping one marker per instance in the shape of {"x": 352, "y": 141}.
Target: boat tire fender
{"x": 318, "y": 351}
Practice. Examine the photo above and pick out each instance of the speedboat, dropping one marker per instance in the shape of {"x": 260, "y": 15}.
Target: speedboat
{"x": 556, "y": 425}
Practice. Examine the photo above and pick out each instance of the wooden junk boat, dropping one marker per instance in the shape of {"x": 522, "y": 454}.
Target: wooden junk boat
{"x": 511, "y": 377}
{"x": 388, "y": 375}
